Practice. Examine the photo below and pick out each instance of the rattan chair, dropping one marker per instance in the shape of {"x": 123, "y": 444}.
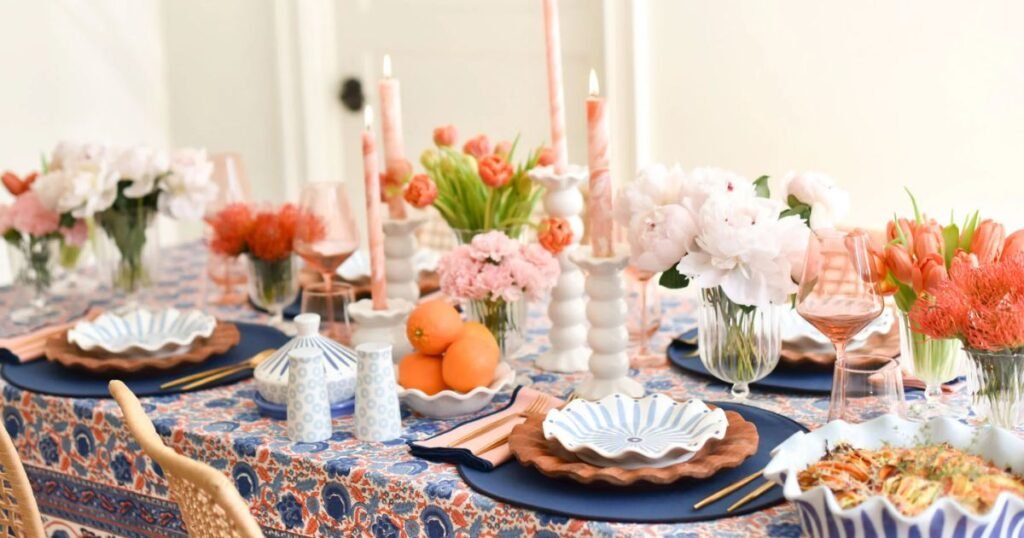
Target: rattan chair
{"x": 209, "y": 503}
{"x": 19, "y": 514}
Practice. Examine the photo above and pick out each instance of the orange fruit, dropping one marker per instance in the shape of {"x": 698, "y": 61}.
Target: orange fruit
{"x": 478, "y": 330}
{"x": 470, "y": 363}
{"x": 432, "y": 326}
{"x": 419, "y": 371}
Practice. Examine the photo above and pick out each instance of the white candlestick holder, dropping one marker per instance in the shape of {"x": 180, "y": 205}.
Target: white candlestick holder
{"x": 382, "y": 326}
{"x": 568, "y": 335}
{"x": 608, "y": 336}
{"x": 399, "y": 247}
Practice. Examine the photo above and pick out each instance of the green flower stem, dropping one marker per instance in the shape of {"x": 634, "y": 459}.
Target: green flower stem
{"x": 499, "y": 317}
{"x": 127, "y": 229}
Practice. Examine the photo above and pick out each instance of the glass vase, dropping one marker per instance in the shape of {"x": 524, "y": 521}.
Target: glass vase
{"x": 932, "y": 360}
{"x": 506, "y": 321}
{"x": 995, "y": 381}
{"x": 128, "y": 250}
{"x": 738, "y": 344}
{"x": 273, "y": 285}
{"x": 33, "y": 261}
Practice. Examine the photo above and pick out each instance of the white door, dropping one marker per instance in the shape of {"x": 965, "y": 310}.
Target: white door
{"x": 479, "y": 65}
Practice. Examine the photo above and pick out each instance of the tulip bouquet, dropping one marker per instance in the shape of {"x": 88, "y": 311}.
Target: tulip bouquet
{"x": 478, "y": 188}
{"x": 123, "y": 189}
{"x": 38, "y": 234}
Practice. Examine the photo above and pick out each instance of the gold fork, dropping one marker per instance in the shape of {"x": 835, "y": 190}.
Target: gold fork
{"x": 542, "y": 412}
{"x": 213, "y": 374}
{"x": 536, "y": 406}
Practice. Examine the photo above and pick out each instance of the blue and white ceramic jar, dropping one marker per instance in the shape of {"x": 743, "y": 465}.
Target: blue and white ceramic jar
{"x": 339, "y": 364}
{"x": 377, "y": 414}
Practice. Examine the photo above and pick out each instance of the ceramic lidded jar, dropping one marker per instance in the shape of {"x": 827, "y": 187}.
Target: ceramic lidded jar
{"x": 339, "y": 364}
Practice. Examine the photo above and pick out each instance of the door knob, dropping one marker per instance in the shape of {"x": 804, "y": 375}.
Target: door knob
{"x": 351, "y": 94}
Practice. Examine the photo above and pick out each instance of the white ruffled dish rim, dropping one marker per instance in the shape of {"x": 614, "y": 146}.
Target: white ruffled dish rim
{"x": 449, "y": 403}
{"x": 580, "y": 448}
{"x": 1001, "y": 447}
{"x": 90, "y": 335}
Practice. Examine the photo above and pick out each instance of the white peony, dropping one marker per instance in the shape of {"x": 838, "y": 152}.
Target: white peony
{"x": 701, "y": 183}
{"x": 655, "y": 185}
{"x": 50, "y": 187}
{"x": 142, "y": 166}
{"x": 660, "y": 236}
{"x": 745, "y": 248}
{"x": 187, "y": 189}
{"x": 90, "y": 186}
{"x": 829, "y": 204}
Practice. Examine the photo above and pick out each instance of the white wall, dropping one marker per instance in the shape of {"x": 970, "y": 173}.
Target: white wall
{"x": 921, "y": 93}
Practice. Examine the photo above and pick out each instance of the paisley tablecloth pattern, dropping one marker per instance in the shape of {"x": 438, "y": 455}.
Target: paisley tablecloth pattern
{"x": 86, "y": 470}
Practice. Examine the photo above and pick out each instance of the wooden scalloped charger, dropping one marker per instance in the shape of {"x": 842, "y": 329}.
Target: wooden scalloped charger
{"x": 531, "y": 449}
{"x": 58, "y": 349}
{"x": 880, "y": 344}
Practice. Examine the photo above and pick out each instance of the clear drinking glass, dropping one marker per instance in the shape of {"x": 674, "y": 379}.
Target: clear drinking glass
{"x": 738, "y": 344}
{"x": 865, "y": 387}
{"x": 317, "y": 299}
{"x": 326, "y": 234}
{"x": 836, "y": 292}
{"x": 273, "y": 285}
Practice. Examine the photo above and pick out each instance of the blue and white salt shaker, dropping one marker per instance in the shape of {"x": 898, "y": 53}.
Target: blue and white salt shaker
{"x": 309, "y": 409}
{"x": 377, "y": 415}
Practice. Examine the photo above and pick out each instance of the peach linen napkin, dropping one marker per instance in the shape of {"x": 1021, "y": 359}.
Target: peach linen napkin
{"x": 436, "y": 448}
{"x": 29, "y": 347}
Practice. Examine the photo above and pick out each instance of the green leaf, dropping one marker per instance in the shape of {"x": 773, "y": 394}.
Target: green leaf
{"x": 968, "y": 232}
{"x": 673, "y": 279}
{"x": 761, "y": 187}
{"x": 899, "y": 230}
{"x": 951, "y": 238}
{"x": 12, "y": 236}
{"x": 905, "y": 296}
{"x": 913, "y": 201}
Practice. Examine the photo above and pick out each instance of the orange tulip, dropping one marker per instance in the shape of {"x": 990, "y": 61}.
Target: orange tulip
{"x": 503, "y": 148}
{"x": 546, "y": 157}
{"x": 899, "y": 263}
{"x": 17, "y": 186}
{"x": 479, "y": 147}
{"x": 495, "y": 171}
{"x": 885, "y": 287}
{"x": 987, "y": 242}
{"x": 445, "y": 135}
{"x": 927, "y": 240}
{"x": 907, "y": 226}
{"x": 1013, "y": 245}
{"x": 933, "y": 273}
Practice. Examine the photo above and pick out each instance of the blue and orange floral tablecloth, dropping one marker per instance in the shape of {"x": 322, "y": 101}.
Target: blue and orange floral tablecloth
{"x": 90, "y": 477}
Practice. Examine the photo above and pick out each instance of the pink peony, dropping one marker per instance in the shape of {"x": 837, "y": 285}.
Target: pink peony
{"x": 28, "y": 216}
{"x": 660, "y": 237}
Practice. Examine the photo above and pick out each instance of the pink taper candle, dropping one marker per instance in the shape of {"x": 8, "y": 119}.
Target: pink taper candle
{"x": 599, "y": 208}
{"x": 391, "y": 130}
{"x": 555, "y": 94}
{"x": 378, "y": 285}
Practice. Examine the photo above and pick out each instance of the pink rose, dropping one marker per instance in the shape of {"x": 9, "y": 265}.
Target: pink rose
{"x": 28, "y": 216}
{"x": 479, "y": 147}
{"x": 445, "y": 135}
{"x": 495, "y": 171}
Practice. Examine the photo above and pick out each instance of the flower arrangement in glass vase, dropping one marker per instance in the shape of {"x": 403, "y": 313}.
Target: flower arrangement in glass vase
{"x": 977, "y": 301}
{"x": 724, "y": 234}
{"x": 479, "y": 188}
{"x": 267, "y": 239}
{"x": 39, "y": 236}
{"x": 493, "y": 273}
{"x": 123, "y": 190}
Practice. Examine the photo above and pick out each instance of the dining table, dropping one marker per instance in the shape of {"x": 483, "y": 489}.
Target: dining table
{"x": 90, "y": 477}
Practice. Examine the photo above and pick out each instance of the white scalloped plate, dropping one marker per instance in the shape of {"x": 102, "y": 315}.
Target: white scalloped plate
{"x": 448, "y": 403}
{"x": 142, "y": 330}
{"x": 877, "y": 516}
{"x": 627, "y": 432}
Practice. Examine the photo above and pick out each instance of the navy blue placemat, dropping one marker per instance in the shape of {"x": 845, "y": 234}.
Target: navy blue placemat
{"x": 289, "y": 311}
{"x": 48, "y": 377}
{"x": 682, "y": 352}
{"x": 526, "y": 487}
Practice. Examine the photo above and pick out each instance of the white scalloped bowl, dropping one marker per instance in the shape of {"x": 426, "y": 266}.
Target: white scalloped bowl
{"x": 142, "y": 330}
{"x": 448, "y": 403}
{"x": 631, "y": 433}
{"x": 821, "y": 515}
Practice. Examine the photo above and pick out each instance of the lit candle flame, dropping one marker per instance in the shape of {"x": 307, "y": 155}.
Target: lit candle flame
{"x": 387, "y": 66}
{"x": 368, "y": 116}
{"x": 594, "y": 88}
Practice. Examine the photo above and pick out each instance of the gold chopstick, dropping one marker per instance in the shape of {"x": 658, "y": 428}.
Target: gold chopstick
{"x": 751, "y": 496}
{"x": 215, "y": 377}
{"x": 727, "y": 490}
{"x": 251, "y": 362}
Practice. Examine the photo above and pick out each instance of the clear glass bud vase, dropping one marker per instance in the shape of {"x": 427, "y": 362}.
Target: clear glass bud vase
{"x": 996, "y": 383}
{"x": 932, "y": 360}
{"x": 739, "y": 344}
{"x": 506, "y": 321}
